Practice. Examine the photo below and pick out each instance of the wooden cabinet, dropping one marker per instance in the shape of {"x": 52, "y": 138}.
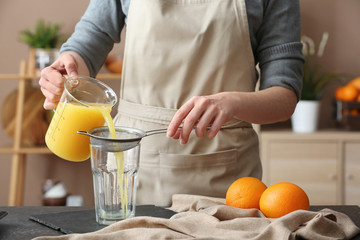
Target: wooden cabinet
{"x": 325, "y": 164}
{"x": 352, "y": 173}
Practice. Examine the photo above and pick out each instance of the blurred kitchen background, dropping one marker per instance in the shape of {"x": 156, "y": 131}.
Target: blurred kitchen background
{"x": 339, "y": 18}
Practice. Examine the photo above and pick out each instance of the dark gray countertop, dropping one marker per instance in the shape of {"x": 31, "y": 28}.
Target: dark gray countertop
{"x": 30, "y": 222}
{"x": 18, "y": 225}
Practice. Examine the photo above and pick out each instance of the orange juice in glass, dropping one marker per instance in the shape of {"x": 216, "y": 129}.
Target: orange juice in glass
{"x": 81, "y": 106}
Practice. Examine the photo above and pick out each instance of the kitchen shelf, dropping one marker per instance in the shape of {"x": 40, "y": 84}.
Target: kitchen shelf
{"x": 15, "y": 77}
{"x": 25, "y": 150}
{"x": 19, "y": 152}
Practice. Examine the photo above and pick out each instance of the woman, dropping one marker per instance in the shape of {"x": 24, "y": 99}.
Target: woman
{"x": 191, "y": 64}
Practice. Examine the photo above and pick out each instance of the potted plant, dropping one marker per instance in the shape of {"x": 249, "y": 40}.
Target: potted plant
{"x": 305, "y": 117}
{"x": 43, "y": 42}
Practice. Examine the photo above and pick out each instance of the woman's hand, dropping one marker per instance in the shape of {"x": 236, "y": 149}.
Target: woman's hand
{"x": 52, "y": 79}
{"x": 202, "y": 113}
{"x": 274, "y": 104}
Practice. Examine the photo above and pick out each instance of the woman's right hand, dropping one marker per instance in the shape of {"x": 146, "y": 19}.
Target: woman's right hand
{"x": 52, "y": 77}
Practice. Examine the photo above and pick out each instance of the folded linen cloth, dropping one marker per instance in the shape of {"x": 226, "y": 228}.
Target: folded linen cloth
{"x": 202, "y": 217}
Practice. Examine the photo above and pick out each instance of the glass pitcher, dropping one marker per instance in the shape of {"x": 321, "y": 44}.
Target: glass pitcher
{"x": 80, "y": 107}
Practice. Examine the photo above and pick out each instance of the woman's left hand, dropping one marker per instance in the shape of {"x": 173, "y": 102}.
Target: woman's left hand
{"x": 201, "y": 113}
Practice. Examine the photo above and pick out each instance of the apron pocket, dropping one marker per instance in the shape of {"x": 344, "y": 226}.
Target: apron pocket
{"x": 199, "y": 174}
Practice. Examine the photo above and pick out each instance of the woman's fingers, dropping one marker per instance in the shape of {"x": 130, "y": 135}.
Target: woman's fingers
{"x": 192, "y": 119}
{"x": 193, "y": 114}
{"x": 68, "y": 64}
{"x": 51, "y": 85}
{"x": 49, "y": 105}
{"x": 202, "y": 113}
{"x": 52, "y": 79}
{"x": 216, "y": 125}
{"x": 50, "y": 96}
{"x": 177, "y": 134}
{"x": 178, "y": 118}
{"x": 205, "y": 121}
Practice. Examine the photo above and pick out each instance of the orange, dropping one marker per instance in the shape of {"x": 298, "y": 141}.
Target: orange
{"x": 349, "y": 93}
{"x": 245, "y": 193}
{"x": 109, "y": 59}
{"x": 354, "y": 112}
{"x": 356, "y": 83}
{"x": 282, "y": 198}
{"x": 115, "y": 66}
{"x": 339, "y": 93}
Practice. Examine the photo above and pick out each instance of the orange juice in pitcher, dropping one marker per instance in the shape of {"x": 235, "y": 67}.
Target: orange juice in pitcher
{"x": 81, "y": 106}
{"x": 67, "y": 120}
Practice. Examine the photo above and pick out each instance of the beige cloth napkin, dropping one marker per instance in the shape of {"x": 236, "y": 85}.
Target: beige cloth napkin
{"x": 201, "y": 217}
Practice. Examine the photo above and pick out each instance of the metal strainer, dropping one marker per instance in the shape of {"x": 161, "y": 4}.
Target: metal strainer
{"x": 126, "y": 137}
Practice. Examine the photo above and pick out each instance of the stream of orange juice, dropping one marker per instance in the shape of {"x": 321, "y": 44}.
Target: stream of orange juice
{"x": 119, "y": 161}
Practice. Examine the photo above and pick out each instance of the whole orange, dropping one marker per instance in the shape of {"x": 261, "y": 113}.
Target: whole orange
{"x": 339, "y": 93}
{"x": 282, "y": 198}
{"x": 245, "y": 193}
{"x": 349, "y": 93}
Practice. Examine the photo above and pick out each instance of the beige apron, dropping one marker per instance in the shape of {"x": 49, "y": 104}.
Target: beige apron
{"x": 176, "y": 49}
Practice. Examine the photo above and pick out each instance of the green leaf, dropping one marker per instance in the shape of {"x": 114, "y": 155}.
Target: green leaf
{"x": 315, "y": 81}
{"x": 44, "y": 35}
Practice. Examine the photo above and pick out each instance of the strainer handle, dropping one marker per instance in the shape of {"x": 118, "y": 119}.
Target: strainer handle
{"x": 164, "y": 130}
{"x": 84, "y": 133}
{"x": 156, "y": 131}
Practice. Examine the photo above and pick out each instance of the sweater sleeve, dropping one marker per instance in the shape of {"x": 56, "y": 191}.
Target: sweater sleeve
{"x": 96, "y": 32}
{"x": 275, "y": 27}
